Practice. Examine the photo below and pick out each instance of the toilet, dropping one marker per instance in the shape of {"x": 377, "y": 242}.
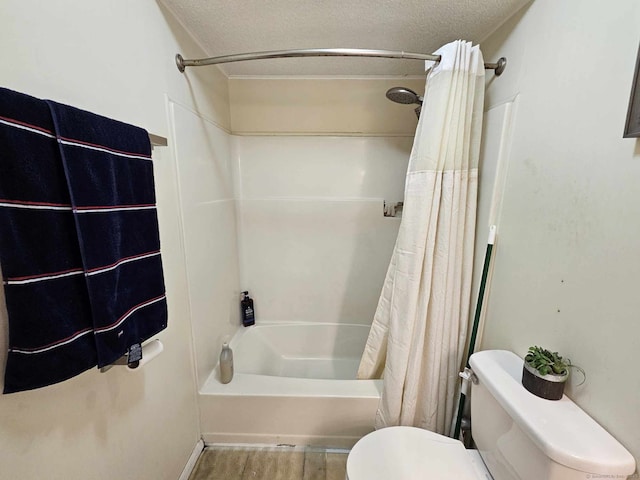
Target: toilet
{"x": 518, "y": 435}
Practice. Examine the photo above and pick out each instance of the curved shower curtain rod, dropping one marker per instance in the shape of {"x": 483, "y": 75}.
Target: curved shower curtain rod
{"x": 182, "y": 63}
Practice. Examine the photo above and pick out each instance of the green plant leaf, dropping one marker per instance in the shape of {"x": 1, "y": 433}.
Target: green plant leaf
{"x": 547, "y": 362}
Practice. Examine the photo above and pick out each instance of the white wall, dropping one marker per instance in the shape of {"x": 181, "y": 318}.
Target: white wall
{"x": 320, "y": 105}
{"x": 567, "y": 260}
{"x": 317, "y": 159}
{"x": 114, "y": 58}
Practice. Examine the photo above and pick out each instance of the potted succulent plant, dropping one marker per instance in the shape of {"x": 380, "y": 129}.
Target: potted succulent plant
{"x": 544, "y": 373}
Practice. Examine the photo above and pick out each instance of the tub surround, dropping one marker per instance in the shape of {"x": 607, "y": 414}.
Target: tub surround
{"x": 317, "y": 202}
{"x": 314, "y": 247}
{"x": 255, "y": 208}
{"x": 209, "y": 220}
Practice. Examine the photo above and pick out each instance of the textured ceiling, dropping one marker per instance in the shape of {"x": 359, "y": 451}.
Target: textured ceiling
{"x": 226, "y": 27}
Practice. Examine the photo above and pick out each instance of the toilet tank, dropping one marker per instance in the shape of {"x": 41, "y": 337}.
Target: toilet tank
{"x": 521, "y": 436}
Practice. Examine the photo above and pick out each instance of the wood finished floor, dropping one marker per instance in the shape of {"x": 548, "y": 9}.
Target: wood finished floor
{"x": 269, "y": 463}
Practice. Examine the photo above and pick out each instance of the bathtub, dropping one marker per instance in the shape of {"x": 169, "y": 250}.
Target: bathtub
{"x": 293, "y": 383}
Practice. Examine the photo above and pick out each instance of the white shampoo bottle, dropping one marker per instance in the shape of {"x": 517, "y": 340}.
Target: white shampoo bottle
{"x": 226, "y": 363}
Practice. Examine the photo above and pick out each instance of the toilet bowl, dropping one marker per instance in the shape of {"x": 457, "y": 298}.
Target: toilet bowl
{"x": 413, "y": 453}
{"x": 519, "y": 437}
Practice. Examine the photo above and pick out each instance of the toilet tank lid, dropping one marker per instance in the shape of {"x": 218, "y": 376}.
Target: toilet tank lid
{"x": 561, "y": 429}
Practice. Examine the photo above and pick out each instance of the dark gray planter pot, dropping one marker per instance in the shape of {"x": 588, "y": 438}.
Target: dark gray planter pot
{"x": 550, "y": 387}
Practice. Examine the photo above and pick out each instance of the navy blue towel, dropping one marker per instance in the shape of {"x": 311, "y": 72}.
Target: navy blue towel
{"x": 79, "y": 245}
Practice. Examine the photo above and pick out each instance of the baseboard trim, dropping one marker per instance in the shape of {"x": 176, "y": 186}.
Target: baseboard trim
{"x": 338, "y": 442}
{"x": 188, "y": 468}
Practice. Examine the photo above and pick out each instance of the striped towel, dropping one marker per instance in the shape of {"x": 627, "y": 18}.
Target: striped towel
{"x": 79, "y": 245}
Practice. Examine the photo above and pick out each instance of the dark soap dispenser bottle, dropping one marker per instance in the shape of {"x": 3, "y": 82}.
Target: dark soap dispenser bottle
{"x": 248, "y": 313}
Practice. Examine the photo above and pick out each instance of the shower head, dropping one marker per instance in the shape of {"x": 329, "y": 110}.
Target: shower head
{"x": 406, "y": 96}
{"x": 403, "y": 95}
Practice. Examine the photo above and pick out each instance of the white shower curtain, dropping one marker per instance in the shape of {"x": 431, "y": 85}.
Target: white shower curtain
{"x": 419, "y": 330}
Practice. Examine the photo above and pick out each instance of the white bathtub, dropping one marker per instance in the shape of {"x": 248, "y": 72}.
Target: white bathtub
{"x": 294, "y": 384}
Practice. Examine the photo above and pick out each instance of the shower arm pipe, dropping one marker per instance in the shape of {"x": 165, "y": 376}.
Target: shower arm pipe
{"x": 182, "y": 63}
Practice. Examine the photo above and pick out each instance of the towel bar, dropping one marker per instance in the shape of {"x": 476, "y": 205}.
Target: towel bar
{"x": 149, "y": 351}
{"x": 157, "y": 140}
